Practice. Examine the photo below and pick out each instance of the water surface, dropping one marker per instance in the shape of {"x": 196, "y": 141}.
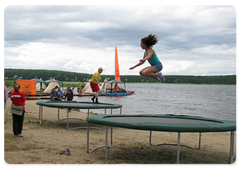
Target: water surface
{"x": 212, "y": 101}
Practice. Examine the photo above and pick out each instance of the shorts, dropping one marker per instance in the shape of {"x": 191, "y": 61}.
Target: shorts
{"x": 94, "y": 86}
{"x": 158, "y": 66}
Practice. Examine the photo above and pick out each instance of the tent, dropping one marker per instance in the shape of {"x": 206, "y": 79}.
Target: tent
{"x": 40, "y": 86}
{"x": 49, "y": 81}
{"x": 115, "y": 82}
{"x": 105, "y": 86}
{"x": 38, "y": 80}
{"x": 52, "y": 84}
{"x": 87, "y": 89}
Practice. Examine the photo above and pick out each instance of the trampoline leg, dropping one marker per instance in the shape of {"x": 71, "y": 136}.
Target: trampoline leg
{"x": 67, "y": 118}
{"x": 150, "y": 138}
{"x": 231, "y": 146}
{"x": 40, "y": 114}
{"x": 200, "y": 138}
{"x": 111, "y": 137}
{"x": 39, "y": 117}
{"x": 87, "y": 137}
{"x": 58, "y": 114}
{"x": 106, "y": 144}
{"x": 178, "y": 148}
{"x": 120, "y": 111}
{"x": 199, "y": 142}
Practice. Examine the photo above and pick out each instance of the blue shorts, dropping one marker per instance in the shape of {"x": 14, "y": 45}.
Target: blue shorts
{"x": 158, "y": 66}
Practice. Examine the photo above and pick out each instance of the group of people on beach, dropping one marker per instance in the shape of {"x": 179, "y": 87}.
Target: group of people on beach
{"x": 57, "y": 94}
{"x": 18, "y": 98}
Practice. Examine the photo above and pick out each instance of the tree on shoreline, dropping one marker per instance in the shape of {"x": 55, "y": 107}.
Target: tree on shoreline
{"x": 13, "y": 74}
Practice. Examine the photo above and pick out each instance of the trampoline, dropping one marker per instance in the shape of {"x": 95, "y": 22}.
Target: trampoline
{"x": 75, "y": 105}
{"x": 167, "y": 123}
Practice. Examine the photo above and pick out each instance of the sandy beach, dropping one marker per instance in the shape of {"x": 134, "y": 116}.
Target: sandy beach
{"x": 41, "y": 143}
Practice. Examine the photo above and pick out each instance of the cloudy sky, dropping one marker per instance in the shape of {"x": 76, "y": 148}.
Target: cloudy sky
{"x": 193, "y": 40}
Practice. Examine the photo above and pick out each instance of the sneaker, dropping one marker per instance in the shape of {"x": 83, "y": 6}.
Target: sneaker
{"x": 161, "y": 76}
{"x": 158, "y": 78}
{"x": 67, "y": 152}
{"x": 61, "y": 152}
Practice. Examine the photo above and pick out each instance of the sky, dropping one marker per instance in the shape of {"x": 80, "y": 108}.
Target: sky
{"x": 193, "y": 39}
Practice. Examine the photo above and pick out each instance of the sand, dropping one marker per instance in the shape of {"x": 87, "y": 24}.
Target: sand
{"x": 41, "y": 143}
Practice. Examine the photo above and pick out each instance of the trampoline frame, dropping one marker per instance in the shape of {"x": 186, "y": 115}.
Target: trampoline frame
{"x": 41, "y": 104}
{"x": 172, "y": 144}
{"x": 231, "y": 159}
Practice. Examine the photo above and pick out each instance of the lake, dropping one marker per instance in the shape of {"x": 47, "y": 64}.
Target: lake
{"x": 212, "y": 101}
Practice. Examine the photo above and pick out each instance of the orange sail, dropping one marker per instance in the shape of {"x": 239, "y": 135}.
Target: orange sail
{"x": 117, "y": 72}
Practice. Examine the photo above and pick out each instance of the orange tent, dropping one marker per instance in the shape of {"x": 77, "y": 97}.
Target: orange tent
{"x": 28, "y": 87}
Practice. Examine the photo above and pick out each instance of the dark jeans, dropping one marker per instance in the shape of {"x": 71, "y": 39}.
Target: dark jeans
{"x": 18, "y": 123}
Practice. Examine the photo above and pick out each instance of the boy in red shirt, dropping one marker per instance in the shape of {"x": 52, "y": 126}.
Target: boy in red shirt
{"x": 18, "y": 98}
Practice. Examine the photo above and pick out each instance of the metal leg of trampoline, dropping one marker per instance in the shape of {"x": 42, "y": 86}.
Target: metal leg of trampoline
{"x": 67, "y": 117}
{"x": 178, "y": 145}
{"x": 178, "y": 148}
{"x": 79, "y": 119}
{"x": 58, "y": 115}
{"x": 40, "y": 114}
{"x": 199, "y": 143}
{"x": 104, "y": 146}
{"x": 231, "y": 147}
{"x": 87, "y": 137}
{"x": 111, "y": 137}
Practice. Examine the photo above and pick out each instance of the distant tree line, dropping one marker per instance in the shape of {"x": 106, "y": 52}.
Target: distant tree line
{"x": 13, "y": 74}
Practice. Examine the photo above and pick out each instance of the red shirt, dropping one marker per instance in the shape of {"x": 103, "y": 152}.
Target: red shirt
{"x": 18, "y": 98}
{"x": 3, "y": 93}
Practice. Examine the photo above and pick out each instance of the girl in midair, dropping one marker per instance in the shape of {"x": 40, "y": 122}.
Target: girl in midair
{"x": 150, "y": 55}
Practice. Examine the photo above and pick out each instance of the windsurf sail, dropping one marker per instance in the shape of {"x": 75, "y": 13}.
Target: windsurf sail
{"x": 117, "y": 72}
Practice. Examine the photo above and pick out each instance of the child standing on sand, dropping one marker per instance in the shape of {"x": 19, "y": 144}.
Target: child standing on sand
{"x": 150, "y": 55}
{"x": 94, "y": 84}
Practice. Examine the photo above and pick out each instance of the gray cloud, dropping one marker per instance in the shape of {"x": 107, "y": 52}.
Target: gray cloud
{"x": 186, "y": 33}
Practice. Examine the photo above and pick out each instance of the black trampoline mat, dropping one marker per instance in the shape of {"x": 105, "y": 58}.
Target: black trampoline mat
{"x": 169, "y": 123}
{"x": 159, "y": 120}
{"x": 78, "y": 104}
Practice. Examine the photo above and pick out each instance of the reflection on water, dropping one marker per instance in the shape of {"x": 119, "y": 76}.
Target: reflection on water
{"x": 212, "y": 101}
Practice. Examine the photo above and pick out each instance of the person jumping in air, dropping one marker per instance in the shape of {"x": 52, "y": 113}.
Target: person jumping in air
{"x": 94, "y": 84}
{"x": 150, "y": 55}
